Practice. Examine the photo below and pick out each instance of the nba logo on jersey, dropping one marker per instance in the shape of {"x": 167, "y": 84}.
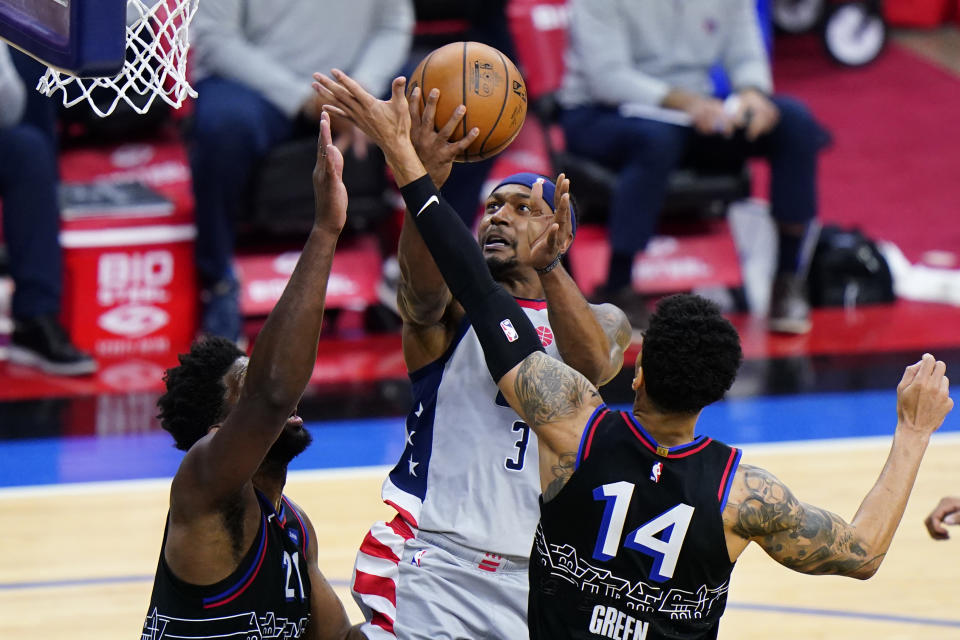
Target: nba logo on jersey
{"x": 294, "y": 536}
{"x": 508, "y": 330}
{"x": 417, "y": 557}
{"x": 655, "y": 471}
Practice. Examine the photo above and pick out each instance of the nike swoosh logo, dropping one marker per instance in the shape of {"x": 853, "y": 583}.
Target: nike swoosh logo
{"x": 431, "y": 200}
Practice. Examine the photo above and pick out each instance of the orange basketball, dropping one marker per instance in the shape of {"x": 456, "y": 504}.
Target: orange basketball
{"x": 483, "y": 79}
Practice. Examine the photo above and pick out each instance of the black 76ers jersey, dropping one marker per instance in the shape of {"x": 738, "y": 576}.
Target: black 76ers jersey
{"x": 268, "y": 596}
{"x": 633, "y": 547}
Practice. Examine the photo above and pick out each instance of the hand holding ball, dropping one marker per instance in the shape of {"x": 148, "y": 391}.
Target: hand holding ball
{"x": 483, "y": 79}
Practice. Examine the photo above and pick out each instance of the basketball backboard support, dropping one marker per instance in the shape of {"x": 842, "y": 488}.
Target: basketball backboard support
{"x": 83, "y": 37}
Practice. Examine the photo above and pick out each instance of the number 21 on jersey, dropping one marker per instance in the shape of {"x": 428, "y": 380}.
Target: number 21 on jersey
{"x": 671, "y": 525}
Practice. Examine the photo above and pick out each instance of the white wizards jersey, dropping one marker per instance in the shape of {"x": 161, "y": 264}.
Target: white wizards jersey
{"x": 469, "y": 469}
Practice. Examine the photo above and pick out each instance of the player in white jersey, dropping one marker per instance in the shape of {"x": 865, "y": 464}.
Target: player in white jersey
{"x": 453, "y": 562}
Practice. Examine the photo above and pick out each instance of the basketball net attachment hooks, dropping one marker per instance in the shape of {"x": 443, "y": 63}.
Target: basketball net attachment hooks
{"x": 155, "y": 64}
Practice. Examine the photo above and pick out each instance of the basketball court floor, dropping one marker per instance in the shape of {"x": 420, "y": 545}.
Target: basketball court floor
{"x": 85, "y": 471}
{"x": 83, "y": 514}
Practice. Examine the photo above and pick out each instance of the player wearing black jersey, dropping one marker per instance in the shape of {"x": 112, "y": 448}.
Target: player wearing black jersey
{"x": 641, "y": 521}
{"x": 238, "y": 558}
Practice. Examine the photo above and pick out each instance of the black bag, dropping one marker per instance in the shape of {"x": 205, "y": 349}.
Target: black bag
{"x": 848, "y": 270}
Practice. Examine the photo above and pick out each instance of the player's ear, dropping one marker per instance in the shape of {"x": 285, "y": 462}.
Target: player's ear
{"x": 637, "y": 378}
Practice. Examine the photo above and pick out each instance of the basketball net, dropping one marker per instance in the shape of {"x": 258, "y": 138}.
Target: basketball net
{"x": 155, "y": 65}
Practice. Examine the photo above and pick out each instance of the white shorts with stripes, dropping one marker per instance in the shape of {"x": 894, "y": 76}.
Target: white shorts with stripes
{"x": 420, "y": 586}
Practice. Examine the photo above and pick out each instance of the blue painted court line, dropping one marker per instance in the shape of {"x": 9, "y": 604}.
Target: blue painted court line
{"x": 378, "y": 442}
{"x": 746, "y": 606}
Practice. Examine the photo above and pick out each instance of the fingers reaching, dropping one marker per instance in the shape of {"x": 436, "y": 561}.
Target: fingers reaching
{"x": 329, "y": 158}
{"x": 563, "y": 186}
{"x": 339, "y": 93}
{"x": 414, "y": 106}
{"x": 537, "y": 202}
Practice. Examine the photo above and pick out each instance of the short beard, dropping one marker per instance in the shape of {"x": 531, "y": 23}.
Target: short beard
{"x": 288, "y": 446}
{"x": 502, "y": 270}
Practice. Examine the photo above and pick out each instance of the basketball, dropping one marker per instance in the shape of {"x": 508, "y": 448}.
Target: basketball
{"x": 483, "y": 79}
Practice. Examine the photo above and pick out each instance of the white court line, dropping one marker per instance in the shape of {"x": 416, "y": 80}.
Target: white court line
{"x": 865, "y": 443}
{"x": 148, "y": 484}
{"x": 830, "y": 445}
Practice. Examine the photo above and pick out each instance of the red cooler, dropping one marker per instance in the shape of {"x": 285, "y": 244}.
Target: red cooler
{"x": 129, "y": 280}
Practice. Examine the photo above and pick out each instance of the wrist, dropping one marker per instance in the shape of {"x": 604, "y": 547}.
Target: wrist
{"x": 403, "y": 161}
{"x": 550, "y": 267}
{"x": 908, "y": 433}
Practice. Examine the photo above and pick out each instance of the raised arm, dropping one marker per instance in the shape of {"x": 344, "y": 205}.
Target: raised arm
{"x": 423, "y": 296}
{"x": 222, "y": 463}
{"x": 591, "y": 338}
{"x": 550, "y": 396}
{"x": 812, "y": 540}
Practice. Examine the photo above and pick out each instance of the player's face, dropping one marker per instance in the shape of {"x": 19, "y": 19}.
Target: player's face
{"x": 292, "y": 440}
{"x": 507, "y": 227}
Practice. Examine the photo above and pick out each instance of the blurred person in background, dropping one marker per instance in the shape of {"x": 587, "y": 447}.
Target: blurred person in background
{"x": 660, "y": 54}
{"x": 252, "y": 69}
{"x": 31, "y": 226}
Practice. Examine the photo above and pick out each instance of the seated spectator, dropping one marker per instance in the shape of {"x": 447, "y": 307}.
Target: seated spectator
{"x": 31, "y": 225}
{"x": 252, "y": 71}
{"x": 660, "y": 53}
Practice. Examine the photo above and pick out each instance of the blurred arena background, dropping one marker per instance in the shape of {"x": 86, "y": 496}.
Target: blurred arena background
{"x": 85, "y": 467}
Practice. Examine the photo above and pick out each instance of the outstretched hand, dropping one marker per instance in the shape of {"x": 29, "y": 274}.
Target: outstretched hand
{"x": 946, "y": 512}
{"x": 923, "y": 396}
{"x": 330, "y": 194}
{"x": 434, "y": 147}
{"x": 553, "y": 241}
{"x": 386, "y": 122}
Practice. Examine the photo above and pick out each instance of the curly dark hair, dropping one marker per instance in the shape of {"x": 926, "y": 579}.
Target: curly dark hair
{"x": 194, "y": 400}
{"x": 690, "y": 354}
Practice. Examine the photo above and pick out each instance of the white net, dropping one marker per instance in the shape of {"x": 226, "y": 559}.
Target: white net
{"x": 155, "y": 65}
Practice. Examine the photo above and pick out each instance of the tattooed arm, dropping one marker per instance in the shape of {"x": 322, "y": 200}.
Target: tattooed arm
{"x": 556, "y": 401}
{"x": 812, "y": 540}
{"x": 799, "y": 536}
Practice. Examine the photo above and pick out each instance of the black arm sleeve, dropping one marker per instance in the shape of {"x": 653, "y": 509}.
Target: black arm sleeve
{"x": 505, "y": 332}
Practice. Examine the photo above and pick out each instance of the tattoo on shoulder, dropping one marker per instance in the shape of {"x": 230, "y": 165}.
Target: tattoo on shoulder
{"x": 549, "y": 390}
{"x": 768, "y": 506}
{"x": 800, "y": 536}
{"x": 562, "y": 472}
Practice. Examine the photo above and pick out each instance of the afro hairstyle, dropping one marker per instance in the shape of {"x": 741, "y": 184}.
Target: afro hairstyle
{"x": 690, "y": 354}
{"x": 194, "y": 399}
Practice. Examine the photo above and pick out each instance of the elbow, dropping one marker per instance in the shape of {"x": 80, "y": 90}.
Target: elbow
{"x": 864, "y": 573}
{"x": 868, "y": 569}
{"x": 422, "y": 310}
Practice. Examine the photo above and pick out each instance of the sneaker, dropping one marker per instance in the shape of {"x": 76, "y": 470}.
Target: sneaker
{"x": 42, "y": 342}
{"x": 221, "y": 310}
{"x": 630, "y": 302}
{"x": 789, "y": 305}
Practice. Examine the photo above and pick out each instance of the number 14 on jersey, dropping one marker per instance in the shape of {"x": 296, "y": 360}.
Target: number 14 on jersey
{"x": 660, "y": 538}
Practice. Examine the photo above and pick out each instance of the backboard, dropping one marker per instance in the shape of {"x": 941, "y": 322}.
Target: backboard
{"x": 83, "y": 37}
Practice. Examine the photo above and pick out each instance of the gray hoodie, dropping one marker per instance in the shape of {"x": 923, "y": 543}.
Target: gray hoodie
{"x": 635, "y": 51}
{"x": 274, "y": 46}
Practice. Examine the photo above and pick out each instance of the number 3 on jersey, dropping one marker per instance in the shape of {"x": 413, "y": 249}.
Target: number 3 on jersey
{"x": 671, "y": 525}
{"x": 516, "y": 463}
